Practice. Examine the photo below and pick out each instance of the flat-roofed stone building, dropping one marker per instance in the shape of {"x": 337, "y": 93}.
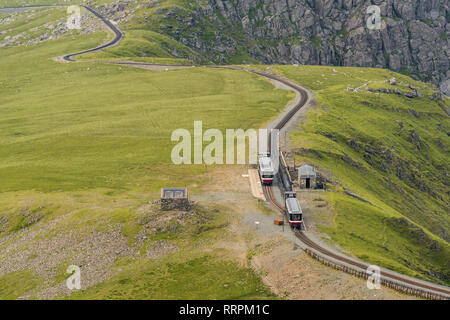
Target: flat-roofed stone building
{"x": 175, "y": 199}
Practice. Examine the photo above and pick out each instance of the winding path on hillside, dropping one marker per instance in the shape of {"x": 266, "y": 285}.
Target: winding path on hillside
{"x": 313, "y": 247}
{"x": 118, "y": 35}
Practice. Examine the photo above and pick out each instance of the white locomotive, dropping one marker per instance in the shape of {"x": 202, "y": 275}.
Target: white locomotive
{"x": 265, "y": 169}
{"x": 293, "y": 210}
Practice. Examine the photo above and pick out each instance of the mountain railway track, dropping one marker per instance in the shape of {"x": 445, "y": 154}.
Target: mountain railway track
{"x": 418, "y": 287}
{"x": 118, "y": 35}
{"x": 393, "y": 280}
{"x": 432, "y": 291}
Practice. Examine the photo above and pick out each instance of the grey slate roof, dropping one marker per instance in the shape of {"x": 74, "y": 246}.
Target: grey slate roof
{"x": 306, "y": 171}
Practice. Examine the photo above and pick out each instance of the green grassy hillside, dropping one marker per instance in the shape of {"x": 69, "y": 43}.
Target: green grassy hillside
{"x": 84, "y": 147}
{"x": 390, "y": 150}
{"x": 87, "y": 108}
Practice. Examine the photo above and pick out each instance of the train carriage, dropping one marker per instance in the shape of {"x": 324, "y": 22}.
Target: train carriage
{"x": 265, "y": 168}
{"x": 294, "y": 210}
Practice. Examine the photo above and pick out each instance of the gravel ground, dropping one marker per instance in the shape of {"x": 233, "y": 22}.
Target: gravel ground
{"x": 160, "y": 249}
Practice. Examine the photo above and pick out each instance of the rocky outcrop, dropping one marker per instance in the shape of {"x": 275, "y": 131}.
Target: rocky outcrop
{"x": 413, "y": 37}
{"x": 181, "y": 204}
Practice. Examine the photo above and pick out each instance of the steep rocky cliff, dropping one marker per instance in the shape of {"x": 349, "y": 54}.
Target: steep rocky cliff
{"x": 413, "y": 38}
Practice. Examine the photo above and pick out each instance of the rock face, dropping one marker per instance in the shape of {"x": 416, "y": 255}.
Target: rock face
{"x": 413, "y": 35}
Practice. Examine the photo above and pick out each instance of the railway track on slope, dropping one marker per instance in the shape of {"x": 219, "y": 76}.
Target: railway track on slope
{"x": 391, "y": 279}
{"x": 395, "y": 281}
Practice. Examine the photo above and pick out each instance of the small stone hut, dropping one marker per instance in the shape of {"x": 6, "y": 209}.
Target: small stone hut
{"x": 175, "y": 199}
{"x": 307, "y": 177}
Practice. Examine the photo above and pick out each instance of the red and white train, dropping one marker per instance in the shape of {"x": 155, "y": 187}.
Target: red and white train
{"x": 265, "y": 168}
{"x": 293, "y": 210}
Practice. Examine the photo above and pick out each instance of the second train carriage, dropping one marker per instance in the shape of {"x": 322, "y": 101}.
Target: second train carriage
{"x": 293, "y": 210}
{"x": 265, "y": 168}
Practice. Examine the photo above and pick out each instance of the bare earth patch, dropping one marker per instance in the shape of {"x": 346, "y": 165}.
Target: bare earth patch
{"x": 292, "y": 274}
